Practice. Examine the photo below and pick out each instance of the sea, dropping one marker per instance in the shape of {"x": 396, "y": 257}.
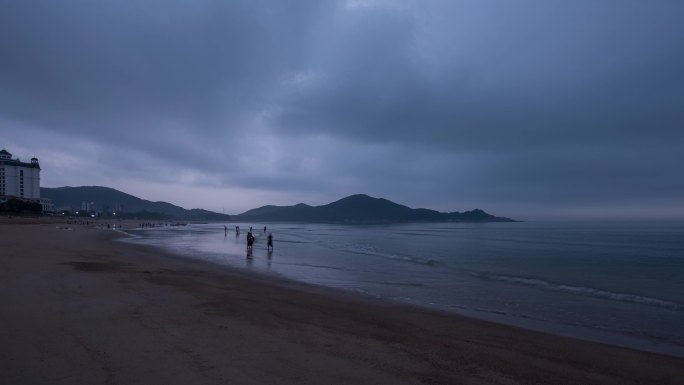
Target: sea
{"x": 615, "y": 283}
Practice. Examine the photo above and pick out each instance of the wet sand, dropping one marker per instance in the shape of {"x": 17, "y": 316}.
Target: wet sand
{"x": 79, "y": 307}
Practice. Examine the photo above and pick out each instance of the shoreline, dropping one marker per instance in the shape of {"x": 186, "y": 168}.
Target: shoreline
{"x": 631, "y": 341}
{"x": 81, "y": 307}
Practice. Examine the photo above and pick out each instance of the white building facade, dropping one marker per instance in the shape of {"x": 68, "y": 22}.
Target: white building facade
{"x": 47, "y": 205}
{"x": 19, "y": 179}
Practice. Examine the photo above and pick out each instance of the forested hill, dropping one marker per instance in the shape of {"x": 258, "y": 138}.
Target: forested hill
{"x": 109, "y": 200}
{"x": 363, "y": 209}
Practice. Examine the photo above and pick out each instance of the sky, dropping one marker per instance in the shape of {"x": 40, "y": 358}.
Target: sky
{"x": 527, "y": 109}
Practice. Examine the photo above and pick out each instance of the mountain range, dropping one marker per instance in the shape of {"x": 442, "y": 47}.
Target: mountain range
{"x": 108, "y": 200}
{"x": 358, "y": 208}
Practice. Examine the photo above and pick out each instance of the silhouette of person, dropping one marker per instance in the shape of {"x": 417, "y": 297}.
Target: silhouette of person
{"x": 250, "y": 240}
{"x": 269, "y": 246}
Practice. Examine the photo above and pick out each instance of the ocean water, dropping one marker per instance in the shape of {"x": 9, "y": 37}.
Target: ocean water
{"x": 618, "y": 283}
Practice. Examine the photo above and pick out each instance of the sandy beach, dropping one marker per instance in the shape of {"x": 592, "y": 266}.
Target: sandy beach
{"x": 79, "y": 307}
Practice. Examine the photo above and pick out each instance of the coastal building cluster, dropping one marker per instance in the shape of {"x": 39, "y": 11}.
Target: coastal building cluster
{"x": 21, "y": 180}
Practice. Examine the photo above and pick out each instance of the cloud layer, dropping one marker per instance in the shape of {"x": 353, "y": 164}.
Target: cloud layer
{"x": 525, "y": 109}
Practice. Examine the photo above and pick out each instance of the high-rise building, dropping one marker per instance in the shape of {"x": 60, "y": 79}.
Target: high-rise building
{"x": 19, "y": 179}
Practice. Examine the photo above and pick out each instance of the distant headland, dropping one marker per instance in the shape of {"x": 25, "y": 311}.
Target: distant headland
{"x": 360, "y": 208}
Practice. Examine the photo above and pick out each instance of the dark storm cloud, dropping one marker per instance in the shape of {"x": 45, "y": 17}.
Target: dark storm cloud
{"x": 439, "y": 104}
{"x": 130, "y": 66}
{"x": 557, "y": 77}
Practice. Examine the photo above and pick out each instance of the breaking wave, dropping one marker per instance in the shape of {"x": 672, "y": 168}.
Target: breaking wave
{"x": 372, "y": 251}
{"x": 583, "y": 291}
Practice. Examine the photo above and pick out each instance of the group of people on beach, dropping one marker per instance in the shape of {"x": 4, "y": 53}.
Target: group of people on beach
{"x": 251, "y": 239}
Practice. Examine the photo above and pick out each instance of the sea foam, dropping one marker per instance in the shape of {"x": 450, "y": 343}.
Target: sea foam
{"x": 583, "y": 291}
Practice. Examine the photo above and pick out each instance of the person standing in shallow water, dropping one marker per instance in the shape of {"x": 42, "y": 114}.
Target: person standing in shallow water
{"x": 269, "y": 246}
{"x": 250, "y": 240}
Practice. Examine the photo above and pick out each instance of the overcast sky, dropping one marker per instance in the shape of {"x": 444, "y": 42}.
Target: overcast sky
{"x": 527, "y": 109}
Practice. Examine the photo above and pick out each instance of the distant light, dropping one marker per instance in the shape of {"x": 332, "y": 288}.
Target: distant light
{"x": 114, "y": 213}
{"x": 92, "y": 215}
